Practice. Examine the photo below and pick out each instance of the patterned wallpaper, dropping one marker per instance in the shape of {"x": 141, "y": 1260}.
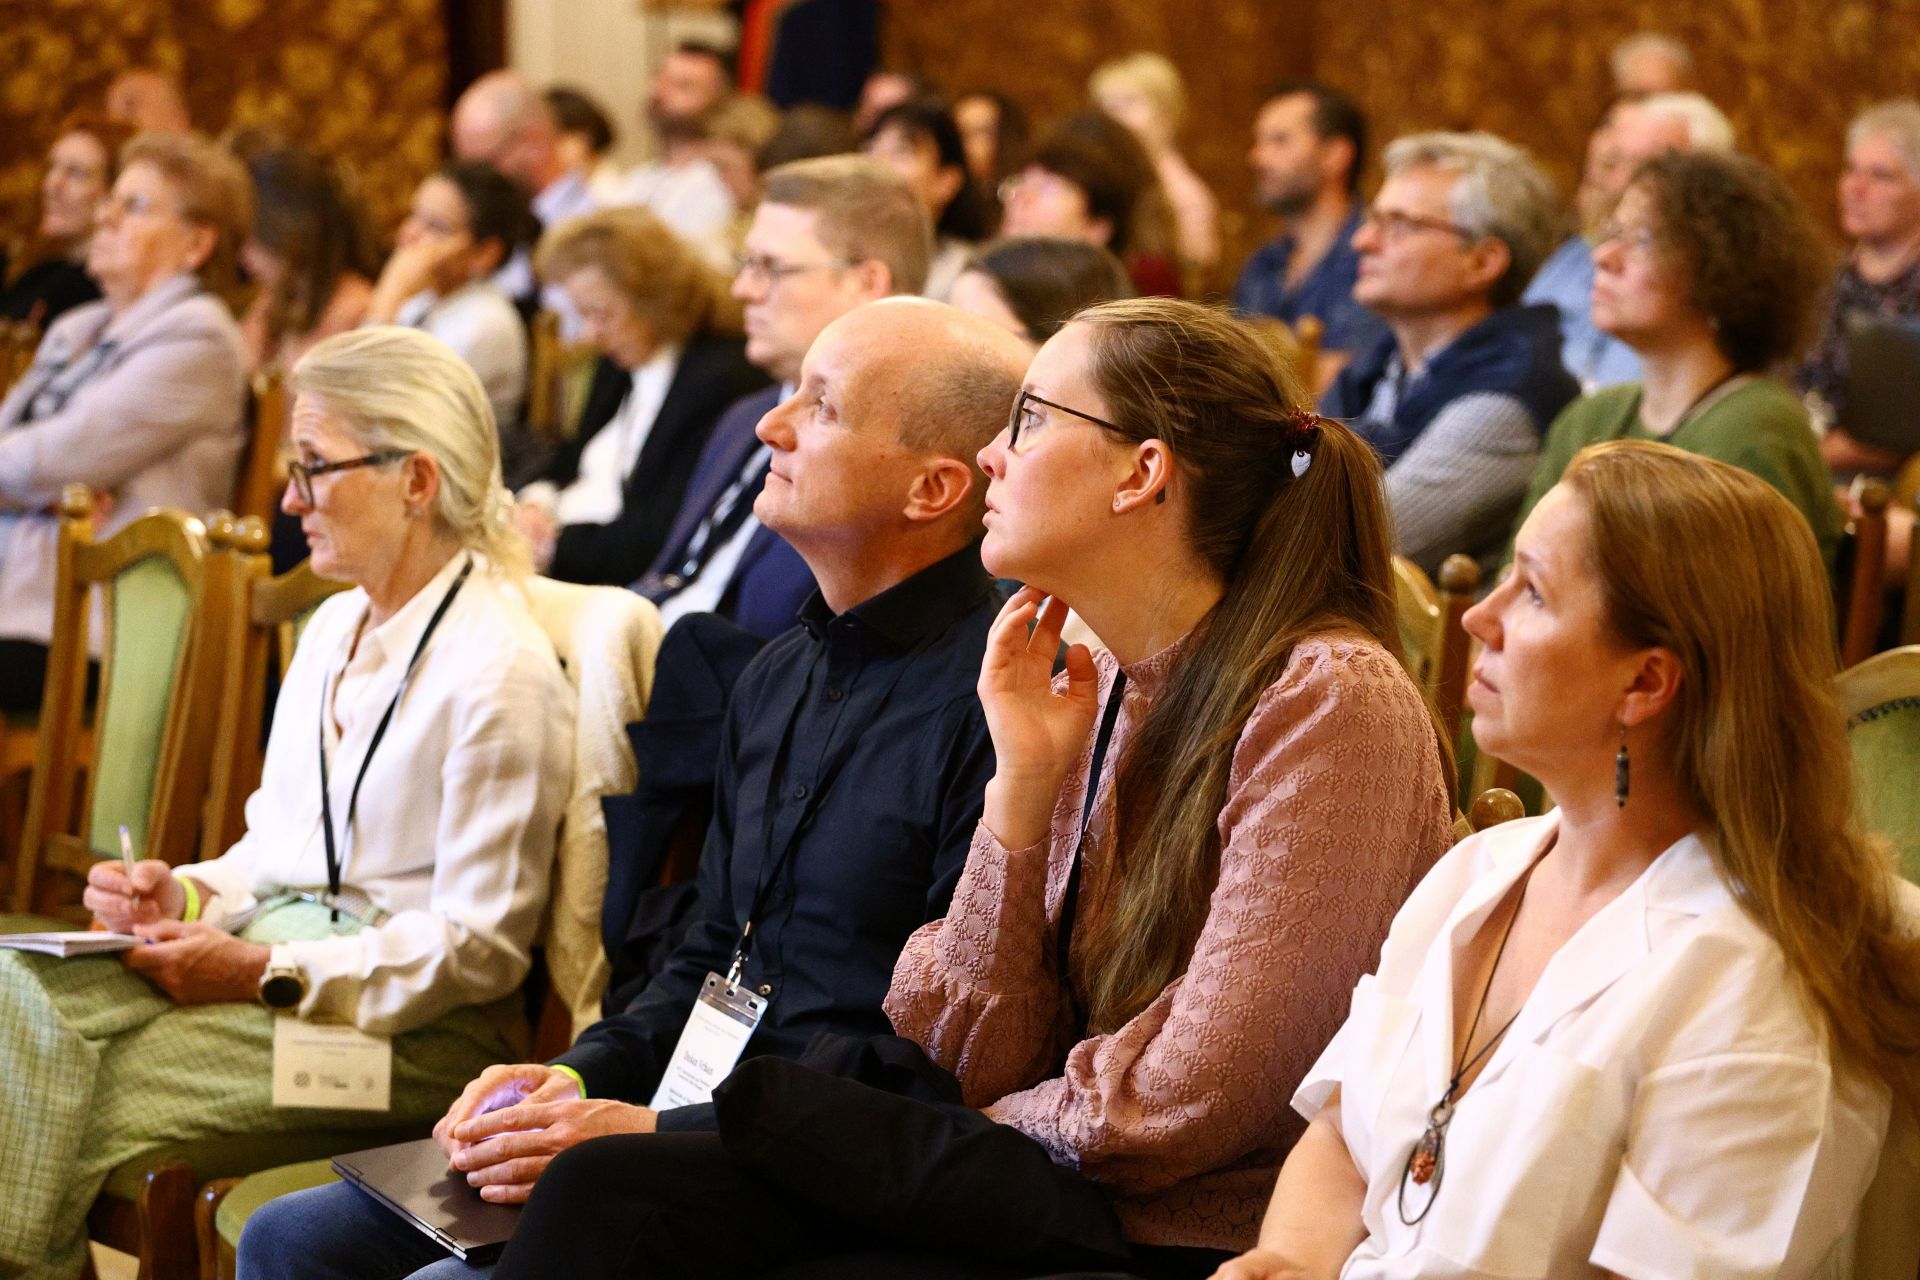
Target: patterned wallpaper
{"x": 1789, "y": 73}
{"x": 359, "y": 79}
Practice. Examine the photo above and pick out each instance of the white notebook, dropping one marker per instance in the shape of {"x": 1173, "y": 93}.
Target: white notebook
{"x": 82, "y": 942}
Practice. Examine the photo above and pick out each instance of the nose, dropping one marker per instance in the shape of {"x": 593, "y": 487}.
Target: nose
{"x": 993, "y": 457}
{"x": 1366, "y": 237}
{"x": 772, "y": 428}
{"x": 747, "y": 285}
{"x": 1482, "y": 621}
{"x": 1606, "y": 255}
{"x": 290, "y": 499}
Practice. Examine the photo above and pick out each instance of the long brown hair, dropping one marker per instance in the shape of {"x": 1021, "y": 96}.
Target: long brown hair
{"x": 1757, "y": 739}
{"x": 1298, "y": 554}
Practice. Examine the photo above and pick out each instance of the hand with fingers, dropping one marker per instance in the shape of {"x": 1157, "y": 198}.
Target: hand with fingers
{"x": 197, "y": 963}
{"x": 503, "y": 1152}
{"x": 1037, "y": 732}
{"x": 499, "y": 1087}
{"x": 1261, "y": 1264}
{"x": 118, "y": 904}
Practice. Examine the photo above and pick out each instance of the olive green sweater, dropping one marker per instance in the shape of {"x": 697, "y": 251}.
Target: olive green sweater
{"x": 1759, "y": 426}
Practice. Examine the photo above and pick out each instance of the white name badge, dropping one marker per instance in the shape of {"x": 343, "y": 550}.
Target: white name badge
{"x": 337, "y": 1067}
{"x": 715, "y": 1036}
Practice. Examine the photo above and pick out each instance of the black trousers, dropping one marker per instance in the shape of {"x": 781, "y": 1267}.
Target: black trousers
{"x": 676, "y": 1206}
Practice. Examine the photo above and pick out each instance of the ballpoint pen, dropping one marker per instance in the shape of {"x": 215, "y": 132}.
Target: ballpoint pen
{"x": 126, "y": 858}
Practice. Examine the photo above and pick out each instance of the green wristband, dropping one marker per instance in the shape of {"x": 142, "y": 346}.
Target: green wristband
{"x": 192, "y": 911}
{"x": 577, "y": 1078}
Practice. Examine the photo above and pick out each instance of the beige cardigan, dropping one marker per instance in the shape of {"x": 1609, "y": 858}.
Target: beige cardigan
{"x": 160, "y": 424}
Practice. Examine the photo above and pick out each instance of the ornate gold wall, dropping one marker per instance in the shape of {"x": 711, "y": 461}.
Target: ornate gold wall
{"x": 363, "y": 80}
{"x": 1788, "y": 72}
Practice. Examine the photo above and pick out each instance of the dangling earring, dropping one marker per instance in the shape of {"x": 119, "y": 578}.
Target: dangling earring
{"x": 1620, "y": 771}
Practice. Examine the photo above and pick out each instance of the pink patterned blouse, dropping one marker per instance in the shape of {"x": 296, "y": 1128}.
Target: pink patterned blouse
{"x": 1335, "y": 808}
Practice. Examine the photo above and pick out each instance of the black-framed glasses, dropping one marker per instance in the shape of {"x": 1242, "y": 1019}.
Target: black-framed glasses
{"x": 302, "y": 473}
{"x": 1018, "y": 418}
{"x": 1395, "y": 224}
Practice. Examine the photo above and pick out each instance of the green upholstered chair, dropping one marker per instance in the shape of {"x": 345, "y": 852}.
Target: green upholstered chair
{"x": 1881, "y": 701}
{"x": 224, "y": 1207}
{"x": 154, "y": 712}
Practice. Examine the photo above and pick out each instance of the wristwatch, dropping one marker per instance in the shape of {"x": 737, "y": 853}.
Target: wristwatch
{"x": 282, "y": 987}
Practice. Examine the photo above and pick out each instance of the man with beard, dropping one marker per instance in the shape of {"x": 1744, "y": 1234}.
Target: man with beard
{"x": 1309, "y": 145}
{"x": 681, "y": 186}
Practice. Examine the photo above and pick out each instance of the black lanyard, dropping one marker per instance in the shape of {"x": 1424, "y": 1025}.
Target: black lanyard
{"x": 1070, "y": 899}
{"x": 380, "y": 731}
{"x": 849, "y": 739}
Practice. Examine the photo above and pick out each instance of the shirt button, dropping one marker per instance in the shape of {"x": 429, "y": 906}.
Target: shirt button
{"x": 800, "y": 792}
{"x": 766, "y": 988}
{"x": 834, "y": 693}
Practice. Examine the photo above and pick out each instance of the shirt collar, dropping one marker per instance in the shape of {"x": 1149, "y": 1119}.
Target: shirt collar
{"x": 142, "y": 310}
{"x": 658, "y": 368}
{"x": 394, "y": 639}
{"x": 910, "y": 611}
{"x": 558, "y": 197}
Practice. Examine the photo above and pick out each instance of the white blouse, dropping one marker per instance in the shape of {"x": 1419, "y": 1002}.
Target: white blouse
{"x": 454, "y": 832}
{"x": 1662, "y": 1106}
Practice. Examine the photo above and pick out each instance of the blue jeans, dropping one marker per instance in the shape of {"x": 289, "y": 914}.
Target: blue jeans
{"x": 339, "y": 1232}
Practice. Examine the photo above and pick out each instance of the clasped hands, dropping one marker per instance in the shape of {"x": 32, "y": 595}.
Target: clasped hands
{"x": 506, "y": 1127}
{"x": 194, "y": 963}
{"x": 1037, "y": 732}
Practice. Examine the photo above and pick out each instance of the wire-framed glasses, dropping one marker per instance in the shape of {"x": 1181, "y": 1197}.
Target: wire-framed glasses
{"x": 1019, "y": 420}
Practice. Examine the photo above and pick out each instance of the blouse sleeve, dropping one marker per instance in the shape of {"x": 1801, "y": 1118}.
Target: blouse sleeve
{"x": 1335, "y": 806}
{"x": 503, "y": 784}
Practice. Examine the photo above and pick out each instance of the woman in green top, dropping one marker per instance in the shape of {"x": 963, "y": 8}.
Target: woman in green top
{"x": 1709, "y": 271}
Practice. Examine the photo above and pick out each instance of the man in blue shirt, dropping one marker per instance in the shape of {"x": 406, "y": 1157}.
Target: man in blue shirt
{"x": 854, "y": 759}
{"x": 1309, "y": 145}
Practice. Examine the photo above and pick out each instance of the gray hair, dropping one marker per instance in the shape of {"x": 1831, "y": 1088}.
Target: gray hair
{"x": 1653, "y": 42}
{"x": 1899, "y": 123}
{"x": 1500, "y": 194}
{"x": 406, "y": 390}
{"x": 1708, "y": 128}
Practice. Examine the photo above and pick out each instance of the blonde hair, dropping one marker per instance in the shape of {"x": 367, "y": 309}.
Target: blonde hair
{"x": 1151, "y": 76}
{"x": 215, "y": 191}
{"x": 1758, "y": 744}
{"x": 405, "y": 390}
{"x": 671, "y": 287}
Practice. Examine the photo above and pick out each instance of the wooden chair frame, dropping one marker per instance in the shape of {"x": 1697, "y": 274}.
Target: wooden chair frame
{"x": 257, "y": 491}
{"x": 54, "y": 835}
{"x": 1459, "y": 587}
{"x": 259, "y": 632}
{"x": 1862, "y": 595}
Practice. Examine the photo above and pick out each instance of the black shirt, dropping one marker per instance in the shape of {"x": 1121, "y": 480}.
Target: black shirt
{"x": 852, "y": 767}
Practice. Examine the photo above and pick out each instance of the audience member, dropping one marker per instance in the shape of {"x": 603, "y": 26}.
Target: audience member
{"x": 884, "y": 90}
{"x": 1457, "y": 395}
{"x": 671, "y": 361}
{"x": 148, "y": 100}
{"x": 1692, "y": 985}
{"x": 737, "y": 131}
{"x": 430, "y": 907}
{"x": 1145, "y": 93}
{"x": 52, "y": 278}
{"x": 855, "y": 756}
{"x": 1709, "y": 271}
{"x": 1029, "y": 285}
{"x": 994, "y": 132}
{"x": 1309, "y": 146}
{"x": 501, "y": 121}
{"x": 139, "y": 396}
{"x": 466, "y": 221}
{"x": 1632, "y": 132}
{"x": 807, "y": 132}
{"x": 918, "y": 140}
{"x": 830, "y": 234}
{"x": 1137, "y": 1004}
{"x": 585, "y": 138}
{"x": 1880, "y": 213}
{"x": 310, "y": 254}
{"x": 1648, "y": 63}
{"x": 681, "y": 185}
{"x": 1089, "y": 180}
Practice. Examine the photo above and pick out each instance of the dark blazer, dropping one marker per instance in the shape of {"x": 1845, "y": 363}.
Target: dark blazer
{"x": 713, "y": 373}
{"x": 771, "y": 581}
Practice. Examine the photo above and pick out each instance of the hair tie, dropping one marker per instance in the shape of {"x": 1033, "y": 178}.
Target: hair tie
{"x": 1306, "y": 432}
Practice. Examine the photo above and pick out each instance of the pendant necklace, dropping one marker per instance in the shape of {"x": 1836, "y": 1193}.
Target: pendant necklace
{"x": 1427, "y": 1161}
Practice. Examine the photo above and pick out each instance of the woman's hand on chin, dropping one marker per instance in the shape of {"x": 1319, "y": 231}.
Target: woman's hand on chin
{"x": 1038, "y": 733}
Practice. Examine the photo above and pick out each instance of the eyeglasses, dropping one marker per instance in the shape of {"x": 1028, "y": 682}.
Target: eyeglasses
{"x": 137, "y": 205}
{"x": 1035, "y": 180}
{"x": 1392, "y": 224}
{"x": 1018, "y": 421}
{"x": 302, "y": 473}
{"x": 1641, "y": 240}
{"x": 758, "y": 266}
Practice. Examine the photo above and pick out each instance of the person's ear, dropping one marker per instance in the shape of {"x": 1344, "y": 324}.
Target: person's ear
{"x": 1147, "y": 480}
{"x": 1488, "y": 260}
{"x": 873, "y": 278}
{"x": 419, "y": 482}
{"x": 941, "y": 485}
{"x": 1337, "y": 158}
{"x": 948, "y": 182}
{"x": 1100, "y": 232}
{"x": 1655, "y": 686}
{"x": 486, "y": 257}
{"x": 202, "y": 240}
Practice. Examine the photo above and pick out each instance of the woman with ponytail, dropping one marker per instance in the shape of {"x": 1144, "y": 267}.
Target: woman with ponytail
{"x": 1669, "y": 1028}
{"x": 395, "y": 861}
{"x": 1137, "y": 979}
